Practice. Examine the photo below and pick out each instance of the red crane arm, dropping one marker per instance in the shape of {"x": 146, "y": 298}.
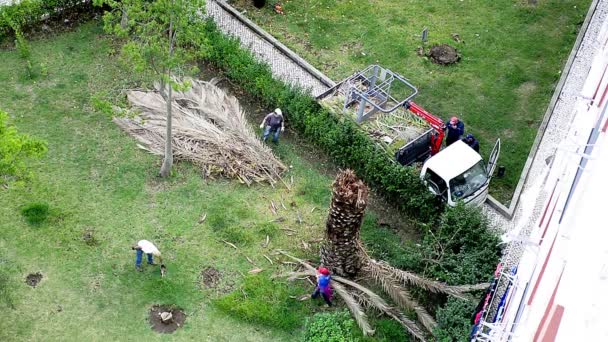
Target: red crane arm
{"x": 436, "y": 123}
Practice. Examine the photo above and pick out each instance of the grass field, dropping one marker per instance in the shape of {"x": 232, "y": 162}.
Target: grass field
{"x": 512, "y": 55}
{"x": 97, "y": 182}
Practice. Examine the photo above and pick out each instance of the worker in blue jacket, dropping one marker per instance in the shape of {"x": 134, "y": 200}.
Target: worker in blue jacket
{"x": 455, "y": 130}
{"x": 472, "y": 142}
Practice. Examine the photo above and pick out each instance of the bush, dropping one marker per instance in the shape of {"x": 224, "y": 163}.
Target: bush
{"x": 15, "y": 148}
{"x": 462, "y": 250}
{"x": 35, "y": 213}
{"x": 266, "y": 301}
{"x": 330, "y": 327}
{"x": 454, "y": 321}
{"x": 388, "y": 330}
{"x": 28, "y": 12}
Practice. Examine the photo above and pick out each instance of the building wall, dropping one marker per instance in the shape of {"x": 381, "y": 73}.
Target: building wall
{"x": 558, "y": 291}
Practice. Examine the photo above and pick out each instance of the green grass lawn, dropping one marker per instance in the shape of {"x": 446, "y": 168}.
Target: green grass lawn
{"x": 95, "y": 179}
{"x": 512, "y": 55}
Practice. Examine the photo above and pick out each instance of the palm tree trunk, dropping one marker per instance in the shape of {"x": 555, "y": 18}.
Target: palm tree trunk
{"x": 340, "y": 250}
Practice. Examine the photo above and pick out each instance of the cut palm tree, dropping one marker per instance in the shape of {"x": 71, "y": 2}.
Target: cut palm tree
{"x": 343, "y": 225}
{"x": 209, "y": 129}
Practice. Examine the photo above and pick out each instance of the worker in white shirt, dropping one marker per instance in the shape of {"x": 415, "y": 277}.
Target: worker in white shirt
{"x": 145, "y": 246}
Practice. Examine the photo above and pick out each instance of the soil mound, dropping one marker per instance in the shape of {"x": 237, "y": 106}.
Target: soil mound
{"x": 166, "y": 319}
{"x": 33, "y": 279}
{"x": 443, "y": 54}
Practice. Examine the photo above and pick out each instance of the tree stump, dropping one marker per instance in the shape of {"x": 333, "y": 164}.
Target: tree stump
{"x": 340, "y": 250}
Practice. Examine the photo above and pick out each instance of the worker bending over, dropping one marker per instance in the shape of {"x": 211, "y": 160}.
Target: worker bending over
{"x": 145, "y": 246}
{"x": 273, "y": 123}
{"x": 323, "y": 289}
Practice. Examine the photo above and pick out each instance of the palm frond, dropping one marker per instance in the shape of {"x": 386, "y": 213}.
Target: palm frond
{"x": 400, "y": 295}
{"x": 371, "y": 299}
{"x": 412, "y": 279}
{"x": 355, "y": 309}
{"x": 410, "y": 326}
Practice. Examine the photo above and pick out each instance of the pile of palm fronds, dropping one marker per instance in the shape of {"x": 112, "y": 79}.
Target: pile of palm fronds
{"x": 209, "y": 129}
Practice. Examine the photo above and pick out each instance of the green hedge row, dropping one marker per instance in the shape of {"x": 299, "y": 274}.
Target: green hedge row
{"x": 28, "y": 12}
{"x": 347, "y": 145}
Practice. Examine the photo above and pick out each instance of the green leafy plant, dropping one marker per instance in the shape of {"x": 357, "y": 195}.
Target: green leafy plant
{"x": 330, "y": 327}
{"x": 35, "y": 213}
{"x": 158, "y": 34}
{"x": 454, "y": 321}
{"x": 461, "y": 249}
{"x": 15, "y": 148}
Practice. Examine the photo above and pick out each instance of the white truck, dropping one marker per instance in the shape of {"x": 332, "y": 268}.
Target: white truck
{"x": 455, "y": 173}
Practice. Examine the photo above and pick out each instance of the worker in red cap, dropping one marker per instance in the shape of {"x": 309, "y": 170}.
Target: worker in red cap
{"x": 455, "y": 130}
{"x": 323, "y": 288}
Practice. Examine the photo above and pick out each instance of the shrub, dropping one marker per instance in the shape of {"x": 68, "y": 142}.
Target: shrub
{"x": 330, "y": 327}
{"x": 28, "y": 12}
{"x": 388, "y": 330}
{"x": 35, "y": 213}
{"x": 15, "y": 147}
{"x": 454, "y": 321}
{"x": 461, "y": 249}
{"x": 266, "y": 301}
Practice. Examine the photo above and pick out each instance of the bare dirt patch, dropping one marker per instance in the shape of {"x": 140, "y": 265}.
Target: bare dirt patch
{"x": 89, "y": 237}
{"x": 33, "y": 279}
{"x": 443, "y": 54}
{"x": 210, "y": 278}
{"x": 166, "y": 319}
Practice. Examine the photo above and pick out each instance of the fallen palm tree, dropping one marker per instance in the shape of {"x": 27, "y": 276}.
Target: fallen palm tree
{"x": 209, "y": 129}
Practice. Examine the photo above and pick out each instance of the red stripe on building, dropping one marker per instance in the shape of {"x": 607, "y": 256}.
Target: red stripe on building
{"x": 605, "y": 126}
{"x": 599, "y": 104}
{"x": 556, "y": 317}
{"x": 597, "y": 89}
{"x": 542, "y": 272}
{"x": 542, "y": 237}
{"x": 548, "y": 204}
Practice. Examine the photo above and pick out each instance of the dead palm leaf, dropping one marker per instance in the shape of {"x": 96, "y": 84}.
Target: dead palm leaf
{"x": 209, "y": 129}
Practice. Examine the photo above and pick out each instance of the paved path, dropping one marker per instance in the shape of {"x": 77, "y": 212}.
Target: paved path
{"x": 282, "y": 66}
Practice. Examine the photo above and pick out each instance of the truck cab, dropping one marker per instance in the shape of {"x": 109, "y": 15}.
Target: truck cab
{"x": 458, "y": 173}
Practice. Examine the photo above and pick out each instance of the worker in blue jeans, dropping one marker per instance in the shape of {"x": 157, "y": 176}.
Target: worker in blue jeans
{"x": 273, "y": 123}
{"x": 145, "y": 246}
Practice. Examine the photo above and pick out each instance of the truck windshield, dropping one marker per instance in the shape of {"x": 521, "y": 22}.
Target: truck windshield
{"x": 468, "y": 182}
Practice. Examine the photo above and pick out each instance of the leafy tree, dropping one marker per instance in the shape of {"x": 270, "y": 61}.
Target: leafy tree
{"x": 15, "y": 147}
{"x": 160, "y": 34}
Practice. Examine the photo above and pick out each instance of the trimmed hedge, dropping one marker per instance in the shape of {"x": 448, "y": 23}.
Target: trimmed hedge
{"x": 346, "y": 144}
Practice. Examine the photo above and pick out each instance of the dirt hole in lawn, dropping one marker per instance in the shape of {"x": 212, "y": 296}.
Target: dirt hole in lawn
{"x": 443, "y": 54}
{"x": 165, "y": 319}
{"x": 89, "y": 237}
{"x": 33, "y": 279}
{"x": 210, "y": 277}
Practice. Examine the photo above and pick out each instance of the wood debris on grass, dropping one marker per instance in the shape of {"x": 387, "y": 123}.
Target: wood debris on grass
{"x": 255, "y": 271}
{"x": 209, "y": 129}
